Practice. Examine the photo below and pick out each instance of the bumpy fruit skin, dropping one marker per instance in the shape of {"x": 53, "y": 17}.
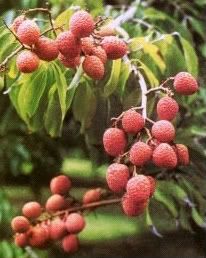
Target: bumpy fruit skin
{"x": 106, "y": 30}
{"x": 27, "y": 61}
{"x": 132, "y": 122}
{"x": 75, "y": 223}
{"x": 185, "y": 84}
{"x": 182, "y": 154}
{"x": 138, "y": 188}
{"x": 81, "y": 24}
{"x": 60, "y": 185}
{"x": 114, "y": 141}
{"x": 55, "y": 202}
{"x": 20, "y": 224}
{"x": 100, "y": 53}
{"x": 163, "y": 131}
{"x": 92, "y": 195}
{"x": 117, "y": 177}
{"x": 69, "y": 62}
{"x": 46, "y": 49}
{"x": 21, "y": 240}
{"x": 28, "y": 32}
{"x": 167, "y": 108}
{"x": 16, "y": 23}
{"x": 68, "y": 44}
{"x": 153, "y": 183}
{"x": 70, "y": 243}
{"x": 115, "y": 48}
{"x": 31, "y": 210}
{"x": 93, "y": 67}
{"x": 38, "y": 236}
{"x": 57, "y": 229}
{"x": 140, "y": 153}
{"x": 164, "y": 156}
{"x": 132, "y": 208}
{"x": 87, "y": 45}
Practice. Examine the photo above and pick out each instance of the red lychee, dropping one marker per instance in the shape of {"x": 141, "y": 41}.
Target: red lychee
{"x": 16, "y": 23}
{"x": 140, "y": 153}
{"x": 21, "y": 240}
{"x": 20, "y": 224}
{"x": 81, "y": 24}
{"x": 115, "y": 48}
{"x": 163, "y": 131}
{"x": 31, "y": 210}
{"x": 70, "y": 62}
{"x": 87, "y": 45}
{"x": 27, "y": 61}
{"x": 55, "y": 202}
{"x": 114, "y": 141}
{"x": 167, "y": 108}
{"x": 117, "y": 177}
{"x": 28, "y": 32}
{"x": 75, "y": 223}
{"x": 132, "y": 208}
{"x": 100, "y": 53}
{"x": 182, "y": 154}
{"x": 185, "y": 84}
{"x": 164, "y": 156}
{"x": 57, "y": 229}
{"x": 132, "y": 122}
{"x": 60, "y": 185}
{"x": 153, "y": 183}
{"x": 38, "y": 237}
{"x": 93, "y": 67}
{"x": 70, "y": 243}
{"x": 92, "y": 195}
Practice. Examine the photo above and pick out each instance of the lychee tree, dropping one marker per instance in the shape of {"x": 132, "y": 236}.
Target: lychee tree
{"x": 116, "y": 76}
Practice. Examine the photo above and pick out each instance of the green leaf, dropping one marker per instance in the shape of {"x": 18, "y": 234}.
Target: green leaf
{"x": 124, "y": 76}
{"x": 198, "y": 219}
{"x": 198, "y": 26}
{"x": 112, "y": 83}
{"x": 63, "y": 18}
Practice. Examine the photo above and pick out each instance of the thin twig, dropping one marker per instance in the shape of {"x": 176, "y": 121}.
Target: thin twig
{"x": 12, "y": 32}
{"x": 51, "y": 29}
{"x": 6, "y": 60}
{"x": 52, "y": 24}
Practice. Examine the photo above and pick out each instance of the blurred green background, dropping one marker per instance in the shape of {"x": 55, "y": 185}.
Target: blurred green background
{"x": 29, "y": 160}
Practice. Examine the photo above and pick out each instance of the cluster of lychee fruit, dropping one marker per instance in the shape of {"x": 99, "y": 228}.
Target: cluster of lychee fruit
{"x": 41, "y": 226}
{"x": 81, "y": 43}
{"x": 135, "y": 142}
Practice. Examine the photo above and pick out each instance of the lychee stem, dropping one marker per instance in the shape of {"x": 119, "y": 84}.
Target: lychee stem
{"x": 162, "y": 87}
{"x": 6, "y": 60}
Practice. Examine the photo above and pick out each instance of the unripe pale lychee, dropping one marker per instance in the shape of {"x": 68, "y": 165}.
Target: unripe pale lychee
{"x": 132, "y": 208}
{"x": 31, "y": 210}
{"x": 138, "y": 188}
{"x": 87, "y": 45}
{"x": 28, "y": 32}
{"x": 70, "y": 243}
{"x": 57, "y": 229}
{"x": 55, "y": 202}
{"x": 27, "y": 61}
{"x": 60, "y": 185}
{"x": 38, "y": 237}
{"x": 114, "y": 141}
{"x": 140, "y": 153}
{"x": 115, "y": 48}
{"x": 153, "y": 183}
{"x": 20, "y": 224}
{"x": 21, "y": 240}
{"x": 167, "y": 108}
{"x": 132, "y": 122}
{"x": 182, "y": 154}
{"x": 68, "y": 44}
{"x": 106, "y": 30}
{"x": 185, "y": 84}
{"x": 92, "y": 195}
{"x": 163, "y": 131}
{"x": 93, "y": 67}
{"x": 81, "y": 24}
{"x": 69, "y": 62}
{"x": 16, "y": 23}
{"x": 164, "y": 156}
{"x": 117, "y": 177}
{"x": 75, "y": 223}
{"x": 46, "y": 49}
{"x": 100, "y": 53}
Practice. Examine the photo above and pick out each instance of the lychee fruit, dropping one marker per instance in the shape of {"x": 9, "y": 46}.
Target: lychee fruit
{"x": 132, "y": 208}
{"x": 16, "y": 23}
{"x": 92, "y": 195}
{"x": 60, "y": 185}
{"x": 55, "y": 202}
{"x": 117, "y": 177}
{"x": 153, "y": 183}
{"x": 46, "y": 49}
{"x": 106, "y": 30}
{"x": 27, "y": 61}
{"x": 164, "y": 156}
{"x": 20, "y": 224}
{"x": 68, "y": 44}
{"x": 75, "y": 223}
{"x": 57, "y": 229}
{"x": 70, "y": 243}
{"x": 139, "y": 188}
{"x": 32, "y": 210}
{"x": 185, "y": 84}
{"x": 93, "y": 67}
{"x": 21, "y": 240}
{"x": 140, "y": 153}
{"x": 182, "y": 154}
{"x": 70, "y": 62}
{"x": 87, "y": 45}
{"x": 100, "y": 53}
{"x": 114, "y": 141}
{"x": 132, "y": 122}
{"x": 81, "y": 24}
{"x": 38, "y": 237}
{"x": 28, "y": 32}
{"x": 167, "y": 108}
{"x": 115, "y": 48}
{"x": 163, "y": 131}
